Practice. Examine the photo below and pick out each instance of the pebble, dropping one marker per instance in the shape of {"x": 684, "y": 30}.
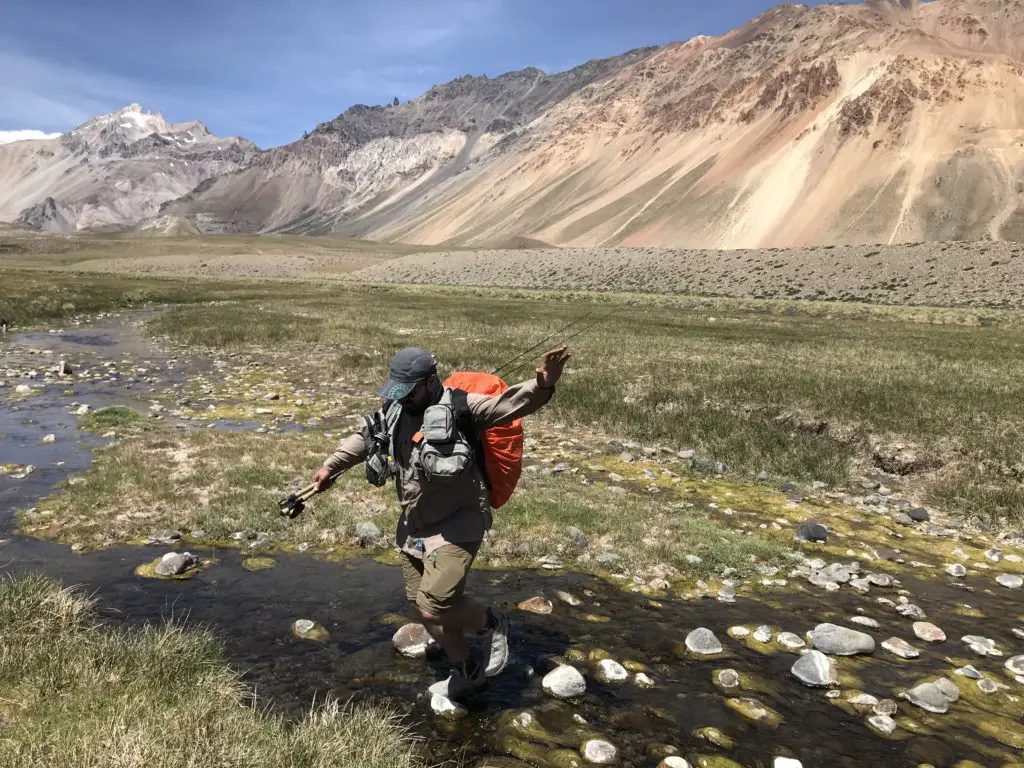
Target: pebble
{"x": 933, "y": 697}
{"x": 812, "y": 532}
{"x": 176, "y": 563}
{"x": 673, "y": 761}
{"x": 444, "y": 707}
{"x": 1010, "y": 581}
{"x": 987, "y": 686}
{"x": 738, "y": 631}
{"x": 610, "y": 671}
{"x": 969, "y": 671}
{"x": 864, "y": 700}
{"x": 308, "y": 630}
{"x": 901, "y": 648}
{"x": 786, "y": 762}
{"x": 703, "y": 642}
{"x": 564, "y": 682}
{"x": 982, "y": 646}
{"x": 50, "y": 438}
{"x": 840, "y": 641}
{"x": 1015, "y": 665}
{"x": 790, "y": 640}
{"x": 883, "y": 723}
{"x": 412, "y": 641}
{"x": 763, "y": 634}
{"x": 567, "y": 598}
{"x": 599, "y": 752}
{"x": 929, "y": 632}
{"x": 536, "y": 605}
{"x": 994, "y": 555}
{"x": 911, "y": 611}
{"x": 885, "y": 707}
{"x": 729, "y": 678}
{"x": 865, "y": 621}
{"x": 642, "y": 680}
{"x": 956, "y": 570}
{"x": 816, "y": 670}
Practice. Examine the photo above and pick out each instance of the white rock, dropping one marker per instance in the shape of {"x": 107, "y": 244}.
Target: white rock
{"x": 841, "y": 641}
{"x": 599, "y": 752}
{"x": 883, "y": 723}
{"x": 763, "y": 634}
{"x": 901, "y": 648}
{"x": 738, "y": 631}
{"x": 956, "y": 570}
{"x": 82, "y": 410}
{"x": 787, "y": 762}
{"x": 673, "y": 761}
{"x": 865, "y": 621}
{"x": 50, "y": 438}
{"x": 446, "y": 708}
{"x": 412, "y": 641}
{"x": 816, "y": 670}
{"x": 23, "y": 389}
{"x": 702, "y": 641}
{"x": 564, "y": 682}
{"x": 790, "y": 640}
{"x": 1010, "y": 580}
{"x": 929, "y": 632}
{"x": 1015, "y": 665}
{"x": 642, "y": 680}
{"x": 610, "y": 671}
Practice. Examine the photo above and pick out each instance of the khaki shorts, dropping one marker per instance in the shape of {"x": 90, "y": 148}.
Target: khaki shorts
{"x": 436, "y": 583}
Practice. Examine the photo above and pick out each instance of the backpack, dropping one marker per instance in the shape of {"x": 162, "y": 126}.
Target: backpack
{"x": 500, "y": 447}
{"x": 448, "y": 442}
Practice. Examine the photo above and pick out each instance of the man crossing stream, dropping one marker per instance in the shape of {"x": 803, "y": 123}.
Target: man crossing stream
{"x": 443, "y": 493}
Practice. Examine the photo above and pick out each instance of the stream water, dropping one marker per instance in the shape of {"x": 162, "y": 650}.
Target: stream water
{"x": 253, "y": 612}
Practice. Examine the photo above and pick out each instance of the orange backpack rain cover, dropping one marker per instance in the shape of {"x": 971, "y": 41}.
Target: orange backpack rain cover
{"x": 502, "y": 446}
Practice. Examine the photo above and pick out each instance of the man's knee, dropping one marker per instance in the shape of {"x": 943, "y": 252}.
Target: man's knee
{"x": 433, "y": 608}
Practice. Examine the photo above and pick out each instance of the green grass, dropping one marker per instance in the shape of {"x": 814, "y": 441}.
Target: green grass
{"x": 114, "y": 417}
{"x": 78, "y": 694}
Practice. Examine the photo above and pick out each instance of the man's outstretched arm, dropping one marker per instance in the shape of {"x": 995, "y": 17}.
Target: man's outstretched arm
{"x": 522, "y": 399}
{"x": 350, "y": 452}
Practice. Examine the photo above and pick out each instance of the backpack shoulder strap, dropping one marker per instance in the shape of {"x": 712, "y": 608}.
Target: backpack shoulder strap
{"x": 464, "y": 423}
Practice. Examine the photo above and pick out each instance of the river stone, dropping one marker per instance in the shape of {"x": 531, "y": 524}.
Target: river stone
{"x": 729, "y": 678}
{"x": 987, "y": 686}
{"x": 969, "y": 671}
{"x": 763, "y": 634}
{"x": 50, "y": 438}
{"x": 994, "y": 555}
{"x": 367, "y": 533}
{"x": 910, "y": 611}
{"x": 839, "y": 573}
{"x": 901, "y": 648}
{"x": 883, "y": 723}
{"x": 816, "y": 670}
{"x": 919, "y": 515}
{"x": 642, "y": 680}
{"x": 726, "y": 594}
{"x": 444, "y": 707}
{"x": 607, "y": 558}
{"x": 577, "y": 537}
{"x": 786, "y": 762}
{"x": 956, "y": 570}
{"x": 754, "y": 710}
{"x": 308, "y": 630}
{"x": 864, "y": 701}
{"x": 738, "y": 632}
{"x": 840, "y": 641}
{"x": 861, "y": 585}
{"x": 176, "y": 563}
{"x": 610, "y": 671}
{"x": 567, "y": 598}
{"x": 412, "y": 641}
{"x": 982, "y": 646}
{"x": 23, "y": 389}
{"x": 1010, "y": 581}
{"x": 929, "y": 632}
{"x": 1015, "y": 665}
{"x": 564, "y": 682}
{"x": 536, "y": 605}
{"x": 933, "y": 697}
{"x": 599, "y": 752}
{"x": 702, "y": 641}
{"x": 885, "y": 707}
{"x": 790, "y": 640}
{"x": 673, "y": 761}
{"x": 813, "y": 532}
{"x": 865, "y": 621}
{"x": 880, "y": 579}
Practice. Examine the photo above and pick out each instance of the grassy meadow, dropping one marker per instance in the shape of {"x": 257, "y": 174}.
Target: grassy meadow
{"x": 80, "y": 694}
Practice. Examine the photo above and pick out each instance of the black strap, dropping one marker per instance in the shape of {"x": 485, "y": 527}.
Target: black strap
{"x": 465, "y": 424}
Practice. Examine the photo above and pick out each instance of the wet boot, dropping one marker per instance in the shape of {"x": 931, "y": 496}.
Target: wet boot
{"x": 495, "y": 638}
{"x": 465, "y": 679}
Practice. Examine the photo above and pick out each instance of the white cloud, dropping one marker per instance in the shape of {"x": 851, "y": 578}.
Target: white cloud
{"x": 7, "y": 137}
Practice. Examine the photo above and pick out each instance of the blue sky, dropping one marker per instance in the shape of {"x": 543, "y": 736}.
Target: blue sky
{"x": 270, "y": 69}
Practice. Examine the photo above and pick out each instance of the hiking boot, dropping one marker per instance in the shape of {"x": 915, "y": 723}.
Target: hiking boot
{"x": 496, "y": 636}
{"x": 464, "y": 679}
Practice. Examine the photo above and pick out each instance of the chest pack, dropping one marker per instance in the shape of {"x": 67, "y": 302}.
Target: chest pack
{"x": 448, "y": 443}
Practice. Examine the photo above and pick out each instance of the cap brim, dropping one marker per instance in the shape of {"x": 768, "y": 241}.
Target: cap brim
{"x": 396, "y": 390}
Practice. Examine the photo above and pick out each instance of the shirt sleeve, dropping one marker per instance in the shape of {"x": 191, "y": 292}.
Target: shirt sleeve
{"x": 514, "y": 403}
{"x": 350, "y": 452}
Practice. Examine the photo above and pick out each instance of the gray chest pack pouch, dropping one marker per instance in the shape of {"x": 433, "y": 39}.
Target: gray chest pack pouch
{"x": 377, "y": 435}
{"x": 444, "y": 450}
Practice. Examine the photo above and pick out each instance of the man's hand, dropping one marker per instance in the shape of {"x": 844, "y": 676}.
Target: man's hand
{"x": 550, "y": 370}
{"x": 322, "y": 479}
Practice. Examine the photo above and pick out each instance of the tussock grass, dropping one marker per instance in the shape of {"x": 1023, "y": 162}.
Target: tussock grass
{"x": 76, "y": 693}
{"x": 116, "y": 417}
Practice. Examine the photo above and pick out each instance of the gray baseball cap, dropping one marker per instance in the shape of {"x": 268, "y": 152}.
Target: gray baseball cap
{"x": 409, "y": 367}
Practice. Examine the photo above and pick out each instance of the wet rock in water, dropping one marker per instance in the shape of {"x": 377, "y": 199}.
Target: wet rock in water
{"x": 987, "y": 686}
{"x": 163, "y": 537}
{"x": 982, "y": 646}
{"x": 841, "y": 641}
{"x": 367, "y": 533}
{"x": 50, "y": 438}
{"x": 1018, "y": 632}
{"x": 816, "y": 670}
{"x": 714, "y": 736}
{"x": 885, "y": 707}
{"x": 304, "y": 546}
{"x": 673, "y": 761}
{"x": 763, "y": 634}
{"x": 879, "y": 579}
{"x": 77, "y": 546}
{"x": 969, "y": 672}
{"x": 919, "y": 515}
{"x": 176, "y": 563}
{"x": 727, "y": 594}
{"x": 1010, "y": 581}
{"x": 599, "y": 752}
{"x": 864, "y": 621}
{"x": 567, "y": 598}
{"x": 23, "y": 389}
{"x": 610, "y": 671}
{"x": 82, "y": 410}
{"x": 786, "y": 762}
{"x": 309, "y": 630}
{"x": 577, "y": 537}
{"x": 994, "y": 555}
{"x": 928, "y": 632}
{"x": 412, "y": 641}
{"x": 444, "y": 707}
{"x": 703, "y": 642}
{"x": 1015, "y": 665}
{"x": 861, "y": 585}
{"x": 883, "y": 723}
{"x": 812, "y": 532}
{"x": 864, "y": 701}
{"x": 911, "y": 611}
{"x": 754, "y": 710}
{"x": 642, "y": 680}
{"x": 933, "y": 697}
{"x": 738, "y": 632}
{"x": 956, "y": 570}
{"x": 901, "y": 648}
{"x": 790, "y": 641}
{"x": 729, "y": 678}
{"x": 564, "y": 682}
{"x": 536, "y": 605}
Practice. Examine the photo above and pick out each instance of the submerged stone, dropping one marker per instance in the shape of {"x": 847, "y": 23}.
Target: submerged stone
{"x": 412, "y": 641}
{"x": 928, "y": 632}
{"x": 536, "y": 605}
{"x": 568, "y": 598}
{"x": 564, "y": 682}
{"x": 752, "y": 709}
{"x": 885, "y": 707}
{"x": 444, "y": 707}
{"x": 882, "y": 723}
{"x": 703, "y": 642}
{"x": 790, "y": 641}
{"x": 714, "y": 736}
{"x": 599, "y": 752}
{"x": 1015, "y": 665}
{"x": 610, "y": 671}
{"x": 309, "y": 630}
{"x": 729, "y": 678}
{"x": 901, "y": 648}
{"x": 931, "y": 697}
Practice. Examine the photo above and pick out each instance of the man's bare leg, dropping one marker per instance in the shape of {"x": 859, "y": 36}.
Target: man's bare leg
{"x": 449, "y": 629}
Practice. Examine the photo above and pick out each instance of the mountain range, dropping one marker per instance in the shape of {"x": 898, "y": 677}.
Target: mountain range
{"x": 886, "y": 121}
